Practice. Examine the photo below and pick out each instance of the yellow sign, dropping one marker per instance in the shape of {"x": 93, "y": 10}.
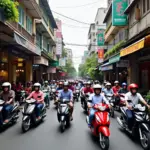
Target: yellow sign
{"x": 133, "y": 48}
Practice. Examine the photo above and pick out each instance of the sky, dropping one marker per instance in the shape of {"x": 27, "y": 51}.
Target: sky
{"x": 79, "y": 34}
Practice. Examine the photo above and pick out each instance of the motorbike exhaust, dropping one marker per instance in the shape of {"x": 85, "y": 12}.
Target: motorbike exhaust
{"x": 119, "y": 122}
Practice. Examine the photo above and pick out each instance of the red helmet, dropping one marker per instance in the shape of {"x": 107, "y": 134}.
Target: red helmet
{"x": 133, "y": 86}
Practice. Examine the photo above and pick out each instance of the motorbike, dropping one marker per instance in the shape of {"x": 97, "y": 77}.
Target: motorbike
{"x": 100, "y": 125}
{"x": 111, "y": 100}
{"x": 63, "y": 113}
{"x": 46, "y": 98}
{"x": 77, "y": 94}
{"x": 85, "y": 102}
{"x": 14, "y": 114}
{"x": 22, "y": 97}
{"x": 140, "y": 128}
{"x": 53, "y": 93}
{"x": 29, "y": 117}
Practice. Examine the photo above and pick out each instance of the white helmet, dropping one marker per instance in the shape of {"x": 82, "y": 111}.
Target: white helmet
{"x": 37, "y": 85}
{"x": 97, "y": 86}
{"x": 116, "y": 82}
{"x": 6, "y": 84}
{"x": 108, "y": 84}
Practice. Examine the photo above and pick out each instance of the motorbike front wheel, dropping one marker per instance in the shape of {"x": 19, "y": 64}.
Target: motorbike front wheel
{"x": 104, "y": 142}
{"x": 26, "y": 125}
{"x": 112, "y": 112}
{"x": 145, "y": 142}
{"x": 62, "y": 126}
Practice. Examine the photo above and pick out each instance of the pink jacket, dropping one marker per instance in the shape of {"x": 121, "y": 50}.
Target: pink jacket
{"x": 39, "y": 96}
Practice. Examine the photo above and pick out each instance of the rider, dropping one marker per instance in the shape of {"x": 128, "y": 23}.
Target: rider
{"x": 116, "y": 88}
{"x": 135, "y": 97}
{"x": 96, "y": 82}
{"x": 8, "y": 96}
{"x": 39, "y": 97}
{"x": 67, "y": 94}
{"x": 108, "y": 89}
{"x": 71, "y": 87}
{"x": 60, "y": 86}
{"x": 104, "y": 86}
{"x": 124, "y": 89}
{"x": 28, "y": 89}
{"x": 96, "y": 98}
{"x": 46, "y": 86}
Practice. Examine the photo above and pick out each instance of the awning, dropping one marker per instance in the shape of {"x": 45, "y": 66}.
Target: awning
{"x": 114, "y": 59}
{"x": 106, "y": 66}
{"x": 136, "y": 46}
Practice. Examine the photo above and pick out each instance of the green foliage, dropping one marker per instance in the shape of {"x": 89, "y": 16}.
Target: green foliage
{"x": 88, "y": 68}
{"x": 10, "y": 10}
{"x": 64, "y": 53}
{"x": 148, "y": 95}
{"x": 114, "y": 50}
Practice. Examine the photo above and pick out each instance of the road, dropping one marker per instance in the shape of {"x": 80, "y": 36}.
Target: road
{"x": 48, "y": 136}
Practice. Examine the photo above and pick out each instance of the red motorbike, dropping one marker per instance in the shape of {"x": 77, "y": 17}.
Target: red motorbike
{"x": 100, "y": 125}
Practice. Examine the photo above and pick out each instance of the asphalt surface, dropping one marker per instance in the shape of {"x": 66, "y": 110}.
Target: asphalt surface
{"x": 47, "y": 136}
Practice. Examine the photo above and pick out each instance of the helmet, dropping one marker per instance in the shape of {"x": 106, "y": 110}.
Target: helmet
{"x": 133, "y": 86}
{"x": 66, "y": 84}
{"x": 37, "y": 85}
{"x": 116, "y": 82}
{"x": 124, "y": 84}
{"x": 108, "y": 84}
{"x": 6, "y": 84}
{"x": 60, "y": 83}
{"x": 96, "y": 82}
{"x": 97, "y": 86}
{"x": 89, "y": 83}
{"x": 46, "y": 82}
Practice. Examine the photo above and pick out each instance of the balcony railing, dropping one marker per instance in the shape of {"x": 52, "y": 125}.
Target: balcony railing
{"x": 17, "y": 27}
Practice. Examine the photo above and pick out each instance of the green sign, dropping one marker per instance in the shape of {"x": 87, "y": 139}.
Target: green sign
{"x": 54, "y": 64}
{"x": 118, "y": 16}
{"x": 100, "y": 37}
{"x": 114, "y": 59}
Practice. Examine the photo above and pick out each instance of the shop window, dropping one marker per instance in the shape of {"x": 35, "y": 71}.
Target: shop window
{"x": 21, "y": 15}
{"x": 29, "y": 24}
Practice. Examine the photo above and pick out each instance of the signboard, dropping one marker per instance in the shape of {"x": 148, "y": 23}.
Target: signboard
{"x": 108, "y": 67}
{"x": 51, "y": 70}
{"x": 114, "y": 59}
{"x": 133, "y": 48}
{"x": 40, "y": 60}
{"x": 123, "y": 64}
{"x": 118, "y": 16}
{"x": 54, "y": 64}
{"x": 59, "y": 46}
{"x": 62, "y": 62}
{"x": 100, "y": 37}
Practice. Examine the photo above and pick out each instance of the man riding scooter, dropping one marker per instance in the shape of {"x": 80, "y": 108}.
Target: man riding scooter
{"x": 108, "y": 89}
{"x": 96, "y": 98}
{"x": 39, "y": 97}
{"x": 8, "y": 96}
{"x": 66, "y": 93}
{"x": 124, "y": 89}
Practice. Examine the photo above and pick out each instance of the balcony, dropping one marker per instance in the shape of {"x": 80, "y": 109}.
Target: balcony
{"x": 17, "y": 27}
{"x": 32, "y": 7}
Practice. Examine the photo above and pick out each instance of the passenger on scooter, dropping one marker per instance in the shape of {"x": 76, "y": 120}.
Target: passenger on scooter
{"x": 135, "y": 97}
{"x": 66, "y": 93}
{"x": 108, "y": 89}
{"x": 124, "y": 89}
{"x": 38, "y": 95}
{"x": 8, "y": 96}
{"x": 96, "y": 98}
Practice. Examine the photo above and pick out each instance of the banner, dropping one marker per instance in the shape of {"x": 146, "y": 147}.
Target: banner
{"x": 100, "y": 37}
{"x": 101, "y": 53}
{"x": 118, "y": 16}
{"x": 51, "y": 70}
{"x": 59, "y": 46}
{"x": 62, "y": 62}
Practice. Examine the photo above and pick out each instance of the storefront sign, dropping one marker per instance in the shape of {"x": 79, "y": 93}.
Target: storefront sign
{"x": 40, "y": 60}
{"x": 100, "y": 37}
{"x": 114, "y": 59}
{"x": 54, "y": 64}
{"x": 133, "y": 48}
{"x": 62, "y": 62}
{"x": 51, "y": 70}
{"x": 118, "y": 16}
{"x": 58, "y": 46}
{"x": 108, "y": 67}
{"x": 123, "y": 64}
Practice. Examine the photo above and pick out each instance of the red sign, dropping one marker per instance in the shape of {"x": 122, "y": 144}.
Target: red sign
{"x": 101, "y": 53}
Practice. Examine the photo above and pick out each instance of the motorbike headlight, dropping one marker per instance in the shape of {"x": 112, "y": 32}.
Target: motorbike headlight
{"x": 97, "y": 118}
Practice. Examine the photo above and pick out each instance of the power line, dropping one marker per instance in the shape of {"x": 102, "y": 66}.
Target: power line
{"x": 73, "y": 26}
{"x": 80, "y": 5}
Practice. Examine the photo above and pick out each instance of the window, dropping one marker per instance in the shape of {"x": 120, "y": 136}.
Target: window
{"x": 38, "y": 39}
{"x": 144, "y": 10}
{"x": 29, "y": 24}
{"x": 148, "y": 5}
{"x": 21, "y": 15}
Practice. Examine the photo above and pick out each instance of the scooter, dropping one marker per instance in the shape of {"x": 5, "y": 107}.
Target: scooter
{"x": 46, "y": 98}
{"x": 100, "y": 125}
{"x": 77, "y": 94}
{"x": 22, "y": 97}
{"x": 29, "y": 117}
{"x": 141, "y": 126}
{"x": 111, "y": 100}
{"x": 14, "y": 114}
{"x": 63, "y": 114}
{"x": 85, "y": 102}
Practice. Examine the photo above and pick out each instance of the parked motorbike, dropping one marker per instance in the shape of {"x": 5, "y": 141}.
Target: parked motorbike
{"x": 46, "y": 98}
{"x": 140, "y": 128}
{"x": 13, "y": 115}
{"x": 63, "y": 113}
{"x": 111, "y": 100}
{"x": 29, "y": 117}
{"x": 85, "y": 102}
{"x": 77, "y": 94}
{"x": 100, "y": 125}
